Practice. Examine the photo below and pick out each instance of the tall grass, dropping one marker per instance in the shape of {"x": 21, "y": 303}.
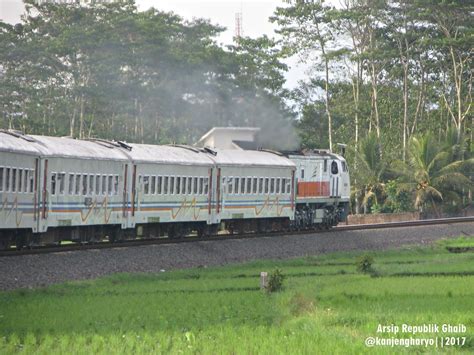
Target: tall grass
{"x": 326, "y": 306}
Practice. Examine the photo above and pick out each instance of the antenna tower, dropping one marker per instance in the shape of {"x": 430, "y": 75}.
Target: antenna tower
{"x": 238, "y": 25}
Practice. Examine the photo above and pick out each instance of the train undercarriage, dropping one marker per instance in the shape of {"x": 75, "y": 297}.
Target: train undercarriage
{"x": 307, "y": 217}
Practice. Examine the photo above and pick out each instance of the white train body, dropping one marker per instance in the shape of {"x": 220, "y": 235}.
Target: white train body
{"x": 54, "y": 189}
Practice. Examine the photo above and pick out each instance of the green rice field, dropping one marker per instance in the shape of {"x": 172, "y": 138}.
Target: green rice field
{"x": 326, "y": 307}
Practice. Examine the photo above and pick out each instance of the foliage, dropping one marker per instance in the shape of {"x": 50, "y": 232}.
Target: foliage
{"x": 434, "y": 172}
{"x": 397, "y": 199}
{"x": 364, "y": 264}
{"x": 369, "y": 171}
{"x": 111, "y": 71}
{"x": 275, "y": 281}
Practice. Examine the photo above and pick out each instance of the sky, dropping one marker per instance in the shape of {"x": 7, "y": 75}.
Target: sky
{"x": 255, "y": 16}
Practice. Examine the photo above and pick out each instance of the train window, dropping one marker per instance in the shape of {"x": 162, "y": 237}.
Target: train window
{"x": 61, "y": 177}
{"x": 248, "y": 187}
{"x": 237, "y": 183}
{"x": 184, "y": 181}
{"x": 32, "y": 177}
{"x": 53, "y": 184}
{"x": 189, "y": 190}
{"x": 230, "y": 186}
{"x": 91, "y": 184}
{"x": 334, "y": 168}
{"x": 288, "y": 186}
{"x": 146, "y": 185}
{"x": 25, "y": 182}
{"x": 84, "y": 184}
{"x": 302, "y": 173}
{"x": 254, "y": 185}
{"x": 260, "y": 185}
{"x": 242, "y": 185}
{"x": 1, "y": 179}
{"x": 201, "y": 186}
{"x": 153, "y": 185}
{"x": 20, "y": 180}
{"x": 78, "y": 185}
{"x": 325, "y": 165}
{"x": 97, "y": 184}
{"x": 116, "y": 184}
{"x": 7, "y": 179}
{"x": 344, "y": 166}
{"x": 178, "y": 185}
{"x": 171, "y": 185}
{"x": 13, "y": 180}
{"x": 195, "y": 185}
{"x": 110, "y": 190}
{"x": 71, "y": 184}
{"x": 277, "y": 187}
{"x": 104, "y": 185}
{"x": 165, "y": 185}
{"x": 206, "y": 186}
{"x": 272, "y": 185}
{"x": 160, "y": 180}
{"x": 267, "y": 183}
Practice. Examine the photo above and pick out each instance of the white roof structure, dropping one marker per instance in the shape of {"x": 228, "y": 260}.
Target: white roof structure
{"x": 224, "y": 137}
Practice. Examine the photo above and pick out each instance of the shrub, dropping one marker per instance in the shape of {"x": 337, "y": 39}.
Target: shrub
{"x": 364, "y": 264}
{"x": 275, "y": 281}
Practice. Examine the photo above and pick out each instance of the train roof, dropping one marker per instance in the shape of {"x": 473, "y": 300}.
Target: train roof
{"x": 308, "y": 154}
{"x": 167, "y": 154}
{"x": 76, "y": 148}
{"x": 67, "y": 147}
{"x": 44, "y": 146}
{"x": 251, "y": 158}
{"x": 17, "y": 143}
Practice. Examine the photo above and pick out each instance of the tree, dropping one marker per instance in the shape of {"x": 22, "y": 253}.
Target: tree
{"x": 371, "y": 171}
{"x": 434, "y": 172}
{"x": 306, "y": 30}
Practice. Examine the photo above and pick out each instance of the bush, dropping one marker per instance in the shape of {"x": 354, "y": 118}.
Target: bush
{"x": 275, "y": 281}
{"x": 364, "y": 264}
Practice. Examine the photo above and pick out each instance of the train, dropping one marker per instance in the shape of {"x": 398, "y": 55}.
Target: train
{"x": 55, "y": 189}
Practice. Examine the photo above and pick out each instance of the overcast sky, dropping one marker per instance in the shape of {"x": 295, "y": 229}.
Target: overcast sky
{"x": 255, "y": 17}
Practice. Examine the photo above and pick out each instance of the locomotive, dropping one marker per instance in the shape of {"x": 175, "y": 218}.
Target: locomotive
{"x": 55, "y": 189}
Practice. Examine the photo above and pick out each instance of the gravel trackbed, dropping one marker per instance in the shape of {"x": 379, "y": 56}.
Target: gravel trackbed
{"x": 45, "y": 269}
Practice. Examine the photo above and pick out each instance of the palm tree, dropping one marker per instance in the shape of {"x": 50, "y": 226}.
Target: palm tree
{"x": 368, "y": 177}
{"x": 434, "y": 171}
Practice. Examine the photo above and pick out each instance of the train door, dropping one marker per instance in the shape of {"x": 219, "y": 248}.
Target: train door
{"x": 335, "y": 177}
{"x": 214, "y": 196}
{"x": 41, "y": 195}
{"x": 125, "y": 197}
{"x": 133, "y": 198}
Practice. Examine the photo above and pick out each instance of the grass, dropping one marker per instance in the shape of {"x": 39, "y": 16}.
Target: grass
{"x": 325, "y": 307}
{"x": 461, "y": 242}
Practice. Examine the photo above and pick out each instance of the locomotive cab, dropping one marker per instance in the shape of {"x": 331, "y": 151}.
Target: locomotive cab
{"x": 339, "y": 184}
{"x": 322, "y": 188}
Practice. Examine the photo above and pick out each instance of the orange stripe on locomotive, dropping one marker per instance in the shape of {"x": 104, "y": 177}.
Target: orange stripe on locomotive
{"x": 313, "y": 188}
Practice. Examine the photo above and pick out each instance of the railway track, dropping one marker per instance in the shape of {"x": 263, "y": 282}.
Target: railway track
{"x": 165, "y": 240}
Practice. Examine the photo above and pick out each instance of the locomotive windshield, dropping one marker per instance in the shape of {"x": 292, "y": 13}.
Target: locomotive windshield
{"x": 334, "y": 168}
